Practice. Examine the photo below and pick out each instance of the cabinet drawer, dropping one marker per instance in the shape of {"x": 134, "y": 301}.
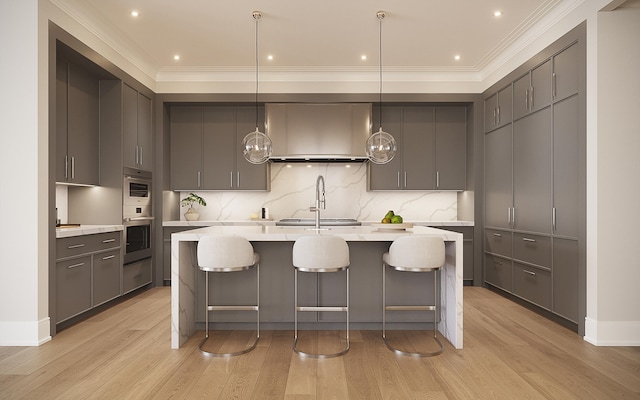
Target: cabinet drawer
{"x": 106, "y": 276}
{"x": 76, "y": 245}
{"x": 73, "y": 287}
{"x": 136, "y": 275}
{"x": 532, "y": 249}
{"x": 498, "y": 271}
{"x": 532, "y": 284}
{"x": 498, "y": 242}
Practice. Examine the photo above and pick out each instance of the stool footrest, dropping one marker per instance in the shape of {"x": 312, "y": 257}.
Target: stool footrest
{"x": 232, "y": 308}
{"x": 410, "y": 308}
{"x": 325, "y": 308}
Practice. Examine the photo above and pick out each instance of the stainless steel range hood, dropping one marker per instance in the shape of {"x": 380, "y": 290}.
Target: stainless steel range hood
{"x": 318, "y": 131}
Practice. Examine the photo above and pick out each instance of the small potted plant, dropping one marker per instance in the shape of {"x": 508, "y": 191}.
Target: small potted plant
{"x": 190, "y": 200}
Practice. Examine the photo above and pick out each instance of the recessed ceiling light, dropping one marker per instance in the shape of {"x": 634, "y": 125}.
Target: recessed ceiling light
{"x": 176, "y": 57}
{"x": 363, "y": 57}
{"x": 135, "y": 13}
{"x": 269, "y": 57}
{"x": 456, "y": 57}
{"x": 497, "y": 13}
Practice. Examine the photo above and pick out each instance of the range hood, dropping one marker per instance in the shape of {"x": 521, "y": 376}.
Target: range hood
{"x": 318, "y": 131}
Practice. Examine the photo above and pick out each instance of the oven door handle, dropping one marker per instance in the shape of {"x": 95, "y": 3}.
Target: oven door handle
{"x": 130, "y": 219}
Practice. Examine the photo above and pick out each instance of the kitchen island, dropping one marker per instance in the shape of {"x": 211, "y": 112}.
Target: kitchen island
{"x": 274, "y": 243}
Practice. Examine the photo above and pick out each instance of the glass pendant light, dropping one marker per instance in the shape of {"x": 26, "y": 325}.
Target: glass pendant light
{"x": 256, "y": 145}
{"x": 381, "y": 146}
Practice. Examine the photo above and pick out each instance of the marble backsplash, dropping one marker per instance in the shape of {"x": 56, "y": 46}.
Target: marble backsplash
{"x": 293, "y": 192}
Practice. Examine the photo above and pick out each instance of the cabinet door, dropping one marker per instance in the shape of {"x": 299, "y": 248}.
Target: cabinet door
{"x": 418, "y": 148}
{"x": 219, "y": 158}
{"x": 565, "y": 167}
{"x": 532, "y": 284}
{"x": 491, "y": 112}
{"x": 565, "y": 278}
{"x": 451, "y": 148}
{"x": 521, "y": 96}
{"x": 249, "y": 176}
{"x": 136, "y": 275}
{"x": 73, "y": 287}
{"x": 145, "y": 142}
{"x": 532, "y": 172}
{"x": 541, "y": 86}
{"x": 83, "y": 119}
{"x": 498, "y": 271}
{"x": 505, "y": 106}
{"x": 387, "y": 176}
{"x": 129, "y": 126}
{"x": 186, "y": 148}
{"x": 566, "y": 72}
{"x": 498, "y": 181}
{"x": 61, "y": 121}
{"x": 106, "y": 276}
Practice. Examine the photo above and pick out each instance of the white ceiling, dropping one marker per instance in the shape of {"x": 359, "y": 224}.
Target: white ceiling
{"x": 419, "y": 36}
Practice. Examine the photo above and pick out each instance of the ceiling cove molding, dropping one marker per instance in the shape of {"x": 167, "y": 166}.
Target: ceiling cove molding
{"x": 116, "y": 41}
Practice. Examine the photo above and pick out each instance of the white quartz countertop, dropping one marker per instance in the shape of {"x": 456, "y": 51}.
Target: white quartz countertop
{"x": 86, "y": 230}
{"x": 260, "y": 233}
{"x": 272, "y": 223}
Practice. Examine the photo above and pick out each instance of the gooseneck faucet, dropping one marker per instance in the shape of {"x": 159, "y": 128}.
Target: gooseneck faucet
{"x": 320, "y": 200}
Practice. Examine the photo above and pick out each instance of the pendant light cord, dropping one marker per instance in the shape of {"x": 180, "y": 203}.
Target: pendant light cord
{"x": 257, "y": 17}
{"x": 380, "y": 17}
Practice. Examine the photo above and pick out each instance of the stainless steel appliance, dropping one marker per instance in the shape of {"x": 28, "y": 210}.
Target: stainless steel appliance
{"x": 137, "y": 215}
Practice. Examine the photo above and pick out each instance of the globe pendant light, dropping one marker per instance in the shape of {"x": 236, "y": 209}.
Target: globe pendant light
{"x": 381, "y": 146}
{"x": 256, "y": 145}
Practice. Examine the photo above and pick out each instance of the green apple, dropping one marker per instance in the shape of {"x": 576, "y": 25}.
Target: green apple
{"x": 396, "y": 219}
{"x": 389, "y": 214}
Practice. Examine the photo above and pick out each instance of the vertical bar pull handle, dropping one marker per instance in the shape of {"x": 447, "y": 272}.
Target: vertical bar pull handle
{"x": 437, "y": 179}
{"x": 498, "y": 115}
{"x": 405, "y": 179}
{"x": 73, "y": 168}
{"x": 553, "y": 85}
{"x": 526, "y": 99}
{"x": 513, "y": 217}
{"x": 137, "y": 157}
{"x": 141, "y": 155}
{"x": 198, "y": 179}
{"x": 398, "y": 179}
{"x": 66, "y": 167}
{"x": 553, "y": 218}
{"x": 509, "y": 216}
{"x": 238, "y": 178}
{"x": 532, "y": 98}
{"x": 495, "y": 116}
{"x": 231, "y": 179}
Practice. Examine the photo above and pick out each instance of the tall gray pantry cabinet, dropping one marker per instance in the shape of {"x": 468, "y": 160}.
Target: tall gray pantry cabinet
{"x": 534, "y": 171}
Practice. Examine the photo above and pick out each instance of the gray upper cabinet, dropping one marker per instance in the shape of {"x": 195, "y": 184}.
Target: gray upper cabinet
{"x": 498, "y": 147}
{"x": 532, "y": 169}
{"x": 77, "y": 125}
{"x": 566, "y": 74}
{"x": 206, "y": 149}
{"x": 532, "y": 92}
{"x": 431, "y": 149}
{"x": 137, "y": 133}
{"x": 498, "y": 109}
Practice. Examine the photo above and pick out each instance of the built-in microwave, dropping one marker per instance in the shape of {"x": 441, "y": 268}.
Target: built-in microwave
{"x": 136, "y": 191}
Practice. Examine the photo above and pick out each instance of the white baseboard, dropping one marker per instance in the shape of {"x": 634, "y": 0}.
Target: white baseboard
{"x": 612, "y": 333}
{"x": 24, "y": 333}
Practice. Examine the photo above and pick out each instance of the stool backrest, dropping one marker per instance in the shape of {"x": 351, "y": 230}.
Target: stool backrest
{"x": 320, "y": 252}
{"x": 419, "y": 251}
{"x": 224, "y": 251}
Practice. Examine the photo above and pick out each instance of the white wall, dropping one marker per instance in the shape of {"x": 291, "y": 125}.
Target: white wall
{"x": 613, "y": 315}
{"x": 23, "y": 178}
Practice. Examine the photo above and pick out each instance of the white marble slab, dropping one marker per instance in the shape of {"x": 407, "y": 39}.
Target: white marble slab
{"x": 183, "y": 260}
{"x": 86, "y": 230}
{"x": 272, "y": 223}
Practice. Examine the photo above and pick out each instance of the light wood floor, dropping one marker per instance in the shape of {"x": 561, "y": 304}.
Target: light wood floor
{"x": 509, "y": 353}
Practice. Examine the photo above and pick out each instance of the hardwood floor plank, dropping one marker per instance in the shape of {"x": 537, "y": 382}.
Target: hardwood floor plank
{"x": 510, "y": 353}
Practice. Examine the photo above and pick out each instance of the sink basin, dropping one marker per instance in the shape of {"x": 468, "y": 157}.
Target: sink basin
{"x": 323, "y": 222}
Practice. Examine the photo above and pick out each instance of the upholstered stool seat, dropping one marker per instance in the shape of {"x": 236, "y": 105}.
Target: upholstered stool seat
{"x": 321, "y": 254}
{"x": 223, "y": 254}
{"x": 420, "y": 254}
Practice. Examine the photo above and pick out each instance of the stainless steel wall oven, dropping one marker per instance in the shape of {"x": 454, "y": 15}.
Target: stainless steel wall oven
{"x": 137, "y": 215}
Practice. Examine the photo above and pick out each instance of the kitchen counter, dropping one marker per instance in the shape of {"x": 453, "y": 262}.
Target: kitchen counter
{"x": 274, "y": 244}
{"x": 86, "y": 230}
{"x": 272, "y": 223}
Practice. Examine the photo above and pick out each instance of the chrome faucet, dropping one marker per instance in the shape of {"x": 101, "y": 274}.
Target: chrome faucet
{"x": 320, "y": 200}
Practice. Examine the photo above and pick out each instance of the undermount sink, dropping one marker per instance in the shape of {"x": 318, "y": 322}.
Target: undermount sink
{"x": 323, "y": 222}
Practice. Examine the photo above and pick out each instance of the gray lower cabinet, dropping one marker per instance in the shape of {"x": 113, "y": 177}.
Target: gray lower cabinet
{"x": 498, "y": 271}
{"x": 88, "y": 272}
{"x": 533, "y": 284}
{"x": 136, "y": 275}
{"x": 498, "y": 183}
{"x": 565, "y": 284}
{"x": 431, "y": 153}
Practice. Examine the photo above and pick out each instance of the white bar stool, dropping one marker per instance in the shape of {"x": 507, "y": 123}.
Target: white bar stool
{"x": 225, "y": 253}
{"x": 417, "y": 253}
{"x": 320, "y": 253}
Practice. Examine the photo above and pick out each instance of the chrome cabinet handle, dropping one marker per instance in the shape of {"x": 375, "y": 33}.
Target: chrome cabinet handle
{"x": 437, "y": 179}
{"x": 553, "y": 219}
{"x": 498, "y": 116}
{"x": 529, "y": 272}
{"x": 198, "y": 179}
{"x": 137, "y": 157}
{"x": 141, "y": 155}
{"x": 231, "y": 179}
{"x": 528, "y": 240}
{"x": 526, "y": 99}
{"x": 497, "y": 234}
{"x": 498, "y": 262}
{"x": 238, "y": 178}
{"x": 553, "y": 85}
{"x": 109, "y": 257}
{"x": 509, "y": 216}
{"x": 513, "y": 216}
{"x": 495, "y": 116}
{"x": 532, "y": 98}
{"x": 75, "y": 265}
{"x": 75, "y": 246}
{"x": 108, "y": 241}
{"x": 66, "y": 167}
{"x": 405, "y": 179}
{"x": 398, "y": 179}
{"x": 73, "y": 168}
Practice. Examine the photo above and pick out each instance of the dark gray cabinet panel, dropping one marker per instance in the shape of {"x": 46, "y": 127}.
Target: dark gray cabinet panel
{"x": 186, "y": 148}
{"x": 498, "y": 271}
{"x": 498, "y": 109}
{"x": 136, "y": 275}
{"x": 106, "y": 278}
{"x": 62, "y": 80}
{"x": 532, "y": 249}
{"x": 565, "y": 216}
{"x": 73, "y": 287}
{"x": 137, "y": 133}
{"x": 565, "y": 282}
{"x": 387, "y": 176}
{"x": 218, "y": 143}
{"x": 418, "y": 144}
{"x": 499, "y": 242}
{"x": 532, "y": 92}
{"x": 498, "y": 177}
{"x": 249, "y": 176}
{"x": 532, "y": 169}
{"x": 566, "y": 75}
{"x": 532, "y": 284}
{"x": 451, "y": 147}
